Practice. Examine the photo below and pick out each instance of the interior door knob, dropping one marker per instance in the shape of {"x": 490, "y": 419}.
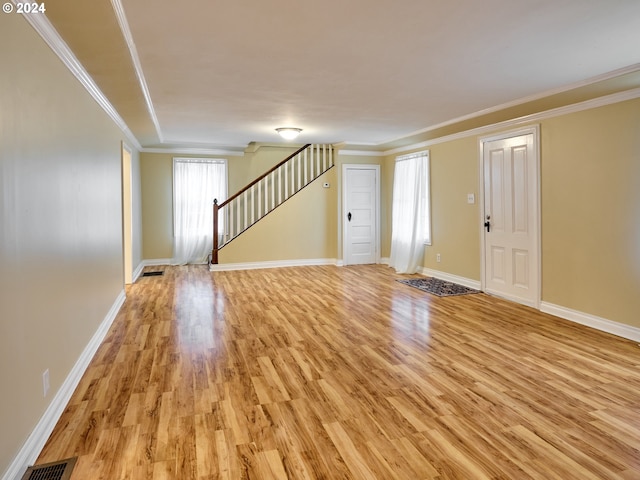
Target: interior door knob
{"x": 349, "y": 216}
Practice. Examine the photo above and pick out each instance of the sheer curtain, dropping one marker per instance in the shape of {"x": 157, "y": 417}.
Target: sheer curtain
{"x": 410, "y": 223}
{"x": 196, "y": 182}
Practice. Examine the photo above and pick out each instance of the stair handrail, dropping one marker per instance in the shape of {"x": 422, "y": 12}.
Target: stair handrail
{"x": 247, "y": 187}
{"x": 217, "y": 207}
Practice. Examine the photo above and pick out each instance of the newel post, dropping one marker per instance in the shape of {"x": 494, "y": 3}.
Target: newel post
{"x": 214, "y": 252}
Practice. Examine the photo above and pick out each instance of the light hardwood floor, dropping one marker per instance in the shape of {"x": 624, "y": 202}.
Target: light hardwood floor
{"x": 343, "y": 373}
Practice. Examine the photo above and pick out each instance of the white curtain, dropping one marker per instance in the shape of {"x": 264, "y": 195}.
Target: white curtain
{"x": 196, "y": 183}
{"x": 410, "y": 224}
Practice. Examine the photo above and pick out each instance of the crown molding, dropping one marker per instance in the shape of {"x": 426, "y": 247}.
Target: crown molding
{"x": 360, "y": 153}
{"x": 52, "y": 38}
{"x": 126, "y": 33}
{"x": 583, "y": 83}
{"x": 194, "y": 151}
{"x": 48, "y": 33}
{"x": 535, "y": 117}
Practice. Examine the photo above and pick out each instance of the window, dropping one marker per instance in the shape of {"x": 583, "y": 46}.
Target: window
{"x": 196, "y": 183}
{"x": 411, "y": 216}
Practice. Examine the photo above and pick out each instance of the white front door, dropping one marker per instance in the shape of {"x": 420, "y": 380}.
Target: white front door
{"x": 361, "y": 199}
{"x": 511, "y": 256}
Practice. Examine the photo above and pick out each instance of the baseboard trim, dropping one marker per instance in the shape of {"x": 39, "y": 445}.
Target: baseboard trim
{"x": 513, "y": 298}
{"x": 155, "y": 262}
{"x": 449, "y": 277}
{"x": 34, "y": 444}
{"x": 223, "y": 267}
{"x": 137, "y": 272}
{"x": 593, "y": 321}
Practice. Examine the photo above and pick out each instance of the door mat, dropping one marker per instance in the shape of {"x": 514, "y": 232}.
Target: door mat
{"x": 438, "y": 287}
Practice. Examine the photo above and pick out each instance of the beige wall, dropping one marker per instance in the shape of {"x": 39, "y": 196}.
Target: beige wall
{"x": 307, "y": 227}
{"x": 302, "y": 228}
{"x": 61, "y": 263}
{"x": 590, "y": 184}
{"x": 157, "y": 198}
{"x": 136, "y": 209}
{"x": 156, "y": 172}
{"x": 454, "y": 222}
{"x": 590, "y": 188}
{"x": 61, "y": 240}
{"x": 590, "y": 210}
{"x": 454, "y": 232}
{"x": 257, "y": 160}
{"x": 311, "y": 218}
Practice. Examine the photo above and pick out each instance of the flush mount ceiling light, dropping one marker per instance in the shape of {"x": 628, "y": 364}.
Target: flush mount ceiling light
{"x": 288, "y": 133}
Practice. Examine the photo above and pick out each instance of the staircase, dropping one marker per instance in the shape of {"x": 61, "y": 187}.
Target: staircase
{"x": 242, "y": 210}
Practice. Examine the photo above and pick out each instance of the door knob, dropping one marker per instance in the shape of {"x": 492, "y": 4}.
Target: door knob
{"x": 349, "y": 216}
{"x": 487, "y": 224}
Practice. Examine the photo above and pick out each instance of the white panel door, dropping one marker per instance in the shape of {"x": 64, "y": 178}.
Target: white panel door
{"x": 511, "y": 218}
{"x": 361, "y": 214}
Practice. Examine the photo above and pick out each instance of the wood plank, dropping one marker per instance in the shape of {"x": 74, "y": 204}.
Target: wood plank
{"x": 342, "y": 372}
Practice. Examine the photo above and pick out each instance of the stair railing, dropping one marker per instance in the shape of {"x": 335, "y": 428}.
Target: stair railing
{"x": 265, "y": 193}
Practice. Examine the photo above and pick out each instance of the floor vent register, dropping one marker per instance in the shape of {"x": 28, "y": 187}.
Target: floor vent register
{"x": 51, "y": 471}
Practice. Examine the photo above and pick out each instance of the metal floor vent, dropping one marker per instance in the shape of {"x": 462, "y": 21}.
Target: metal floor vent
{"x": 51, "y": 471}
{"x": 152, "y": 274}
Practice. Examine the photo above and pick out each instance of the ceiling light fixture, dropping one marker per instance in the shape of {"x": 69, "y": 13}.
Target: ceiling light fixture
{"x": 288, "y": 133}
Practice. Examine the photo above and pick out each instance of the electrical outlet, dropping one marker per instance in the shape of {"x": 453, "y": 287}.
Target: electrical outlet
{"x": 438, "y": 257}
{"x": 45, "y": 382}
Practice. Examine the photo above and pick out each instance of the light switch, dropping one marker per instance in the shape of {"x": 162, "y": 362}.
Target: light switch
{"x": 471, "y": 198}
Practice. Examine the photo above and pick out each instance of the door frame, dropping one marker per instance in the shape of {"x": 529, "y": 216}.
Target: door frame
{"x": 529, "y": 130}
{"x": 127, "y": 212}
{"x": 343, "y": 216}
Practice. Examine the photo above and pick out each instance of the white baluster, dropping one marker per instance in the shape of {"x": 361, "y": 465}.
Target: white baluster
{"x": 273, "y": 190}
{"x": 279, "y": 186}
{"x": 311, "y": 163}
{"x": 306, "y": 162}
{"x": 324, "y": 157}
{"x": 299, "y": 173}
{"x": 227, "y": 224}
{"x": 259, "y": 199}
{"x": 223, "y": 229}
{"x": 238, "y": 227}
{"x": 286, "y": 180}
{"x": 246, "y": 209}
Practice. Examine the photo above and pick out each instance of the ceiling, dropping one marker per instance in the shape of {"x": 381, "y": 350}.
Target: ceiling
{"x": 223, "y": 74}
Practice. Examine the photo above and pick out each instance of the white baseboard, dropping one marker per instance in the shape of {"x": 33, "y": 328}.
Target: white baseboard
{"x": 137, "y": 272}
{"x": 620, "y": 329}
{"x": 40, "y": 434}
{"x": 221, "y": 267}
{"x": 467, "y": 282}
{"x": 155, "y": 262}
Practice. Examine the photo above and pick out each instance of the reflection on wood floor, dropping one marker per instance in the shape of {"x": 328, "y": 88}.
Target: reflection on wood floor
{"x": 343, "y": 373}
